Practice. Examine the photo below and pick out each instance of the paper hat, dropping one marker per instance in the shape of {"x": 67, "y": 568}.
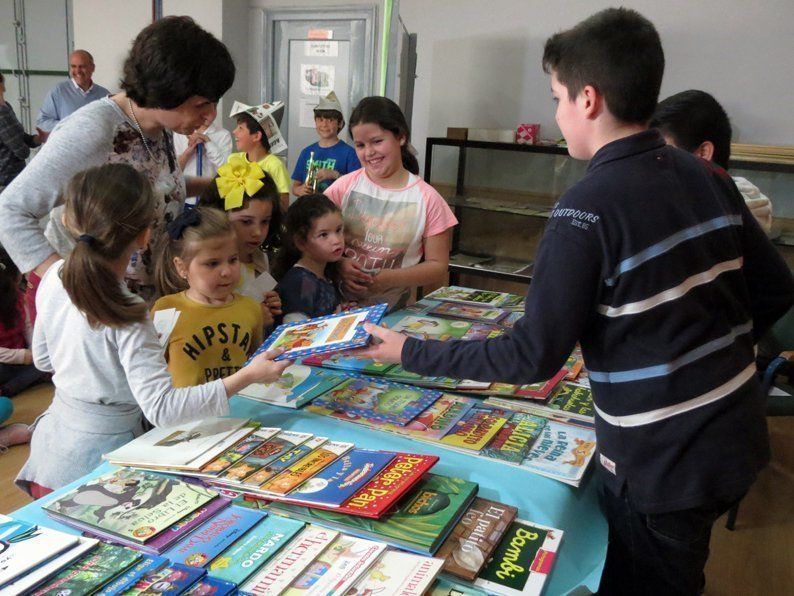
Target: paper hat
{"x": 268, "y": 116}
{"x": 330, "y": 102}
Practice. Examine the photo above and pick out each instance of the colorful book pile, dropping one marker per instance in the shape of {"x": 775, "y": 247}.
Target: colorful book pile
{"x": 280, "y": 465}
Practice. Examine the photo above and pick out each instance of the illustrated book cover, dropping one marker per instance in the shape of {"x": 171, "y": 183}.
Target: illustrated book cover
{"x": 306, "y": 467}
{"x": 330, "y": 333}
{"x": 297, "y": 386}
{"x": 399, "y": 573}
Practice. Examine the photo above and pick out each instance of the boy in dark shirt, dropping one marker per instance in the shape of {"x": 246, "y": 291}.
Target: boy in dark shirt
{"x": 655, "y": 265}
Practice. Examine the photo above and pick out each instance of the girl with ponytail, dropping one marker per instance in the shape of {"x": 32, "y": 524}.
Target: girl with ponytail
{"x": 96, "y": 338}
{"x": 397, "y": 227}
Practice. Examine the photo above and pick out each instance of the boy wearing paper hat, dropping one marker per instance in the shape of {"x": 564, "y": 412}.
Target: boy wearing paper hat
{"x": 258, "y": 138}
{"x": 329, "y": 158}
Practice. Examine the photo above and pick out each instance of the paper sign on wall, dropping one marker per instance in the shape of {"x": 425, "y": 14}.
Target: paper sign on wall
{"x": 322, "y": 48}
{"x": 317, "y": 79}
{"x": 307, "y": 112}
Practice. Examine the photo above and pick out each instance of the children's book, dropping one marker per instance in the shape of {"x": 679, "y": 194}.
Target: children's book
{"x": 446, "y": 586}
{"x": 306, "y": 467}
{"x": 132, "y": 504}
{"x": 334, "y": 485}
{"x": 471, "y": 296}
{"x": 440, "y": 418}
{"x": 399, "y": 573}
{"x": 330, "y": 333}
{"x": 468, "y": 548}
{"x": 399, "y": 375}
{"x": 188, "y": 446}
{"x": 469, "y": 312}
{"x": 522, "y": 561}
{"x": 426, "y": 327}
{"x": 337, "y": 568}
{"x": 563, "y": 451}
{"x": 378, "y": 400}
{"x": 290, "y": 561}
{"x": 243, "y": 558}
{"x": 345, "y": 362}
{"x": 210, "y": 539}
{"x": 127, "y": 580}
{"x": 475, "y": 430}
{"x": 24, "y": 546}
{"x": 511, "y": 319}
{"x": 165, "y": 539}
{"x": 297, "y": 386}
{"x": 209, "y": 585}
{"x": 91, "y": 572}
{"x": 514, "y": 440}
{"x": 263, "y": 455}
{"x": 420, "y": 522}
{"x": 173, "y": 579}
{"x": 573, "y": 401}
{"x": 543, "y": 389}
{"x": 265, "y": 473}
{"x": 236, "y": 452}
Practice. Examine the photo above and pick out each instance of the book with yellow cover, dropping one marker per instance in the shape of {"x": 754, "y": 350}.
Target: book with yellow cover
{"x": 306, "y": 467}
{"x": 476, "y": 429}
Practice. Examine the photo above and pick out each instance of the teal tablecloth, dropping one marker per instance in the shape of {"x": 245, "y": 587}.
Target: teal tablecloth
{"x": 575, "y": 511}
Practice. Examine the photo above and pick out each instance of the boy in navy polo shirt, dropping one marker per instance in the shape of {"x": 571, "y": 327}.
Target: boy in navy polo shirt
{"x": 655, "y": 265}
{"x": 332, "y": 156}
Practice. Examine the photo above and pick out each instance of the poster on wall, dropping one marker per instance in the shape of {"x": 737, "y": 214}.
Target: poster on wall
{"x": 329, "y": 49}
{"x": 306, "y": 119}
{"x": 317, "y": 79}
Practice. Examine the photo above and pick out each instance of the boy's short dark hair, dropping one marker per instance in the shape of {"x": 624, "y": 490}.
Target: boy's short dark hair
{"x": 253, "y": 127}
{"x": 331, "y": 115}
{"x": 617, "y": 51}
{"x": 691, "y": 117}
{"x": 175, "y": 59}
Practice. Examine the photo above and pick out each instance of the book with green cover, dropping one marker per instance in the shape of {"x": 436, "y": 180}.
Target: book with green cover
{"x": 91, "y": 572}
{"x": 132, "y": 504}
{"x": 420, "y": 523}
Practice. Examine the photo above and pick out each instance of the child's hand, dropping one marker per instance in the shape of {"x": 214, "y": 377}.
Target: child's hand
{"x": 268, "y": 320}
{"x": 355, "y": 280}
{"x": 327, "y": 174}
{"x": 273, "y": 302}
{"x": 380, "y": 283}
{"x": 263, "y": 369}
{"x": 349, "y": 305}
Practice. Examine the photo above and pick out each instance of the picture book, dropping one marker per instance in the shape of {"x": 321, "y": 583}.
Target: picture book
{"x": 342, "y": 479}
{"x": 476, "y": 429}
{"x": 345, "y": 362}
{"x": 237, "y": 452}
{"x": 166, "y": 538}
{"x": 440, "y": 418}
{"x": 574, "y": 364}
{"x": 562, "y": 451}
{"x": 399, "y": 573}
{"x": 330, "y": 333}
{"x": 573, "y": 401}
{"x": 243, "y": 558}
{"x": 543, "y": 389}
{"x": 262, "y": 455}
{"x": 265, "y": 473}
{"x": 91, "y": 572}
{"x": 209, "y": 585}
{"x": 290, "y": 561}
{"x": 398, "y": 477}
{"x": 511, "y": 319}
{"x": 178, "y": 447}
{"x": 306, "y": 467}
{"x": 172, "y": 579}
{"x": 470, "y": 312}
{"x": 445, "y": 586}
{"x": 522, "y": 561}
{"x": 297, "y": 386}
{"x": 133, "y": 504}
{"x": 25, "y": 583}
{"x": 420, "y": 522}
{"x": 471, "y": 296}
{"x": 469, "y": 546}
{"x": 210, "y": 539}
{"x": 514, "y": 440}
{"x": 128, "y": 579}
{"x": 337, "y": 568}
{"x": 378, "y": 400}
{"x": 399, "y": 375}
{"x": 426, "y": 327}
{"x": 24, "y": 547}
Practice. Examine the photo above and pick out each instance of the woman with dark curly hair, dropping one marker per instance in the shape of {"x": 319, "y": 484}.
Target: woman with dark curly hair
{"x": 173, "y": 78}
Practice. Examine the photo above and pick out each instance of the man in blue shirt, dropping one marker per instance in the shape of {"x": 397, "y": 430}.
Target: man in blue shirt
{"x": 73, "y": 94}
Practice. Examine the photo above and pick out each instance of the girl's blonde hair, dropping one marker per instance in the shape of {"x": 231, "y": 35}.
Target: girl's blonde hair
{"x": 186, "y": 233}
{"x": 106, "y": 209}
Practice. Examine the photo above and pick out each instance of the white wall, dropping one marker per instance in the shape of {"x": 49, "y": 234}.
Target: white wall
{"x": 479, "y": 63}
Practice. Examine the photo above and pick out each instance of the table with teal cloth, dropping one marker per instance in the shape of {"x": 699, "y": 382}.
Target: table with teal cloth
{"x": 544, "y": 501}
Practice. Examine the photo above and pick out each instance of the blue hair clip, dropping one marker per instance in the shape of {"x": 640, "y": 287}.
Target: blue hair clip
{"x": 188, "y": 218}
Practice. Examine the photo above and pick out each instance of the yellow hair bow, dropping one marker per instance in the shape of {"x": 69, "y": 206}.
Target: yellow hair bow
{"x": 236, "y": 178}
